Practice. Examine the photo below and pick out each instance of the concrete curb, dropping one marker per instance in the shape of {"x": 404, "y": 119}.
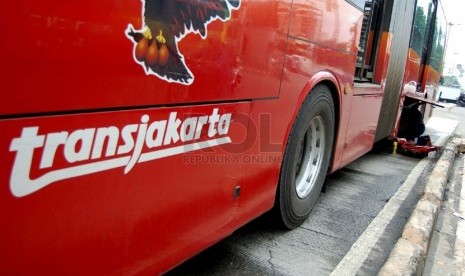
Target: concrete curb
{"x": 409, "y": 253}
{"x": 460, "y": 233}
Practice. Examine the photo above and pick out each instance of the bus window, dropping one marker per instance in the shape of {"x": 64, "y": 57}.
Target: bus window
{"x": 369, "y": 40}
{"x": 421, "y": 27}
{"x": 439, "y": 39}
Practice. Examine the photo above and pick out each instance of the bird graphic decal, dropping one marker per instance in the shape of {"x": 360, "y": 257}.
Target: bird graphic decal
{"x": 165, "y": 23}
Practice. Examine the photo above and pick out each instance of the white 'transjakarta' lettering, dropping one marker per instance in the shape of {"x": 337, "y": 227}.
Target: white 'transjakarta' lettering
{"x": 110, "y": 147}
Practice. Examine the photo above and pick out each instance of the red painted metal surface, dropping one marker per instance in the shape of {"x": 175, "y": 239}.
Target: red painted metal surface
{"x": 361, "y": 130}
{"x": 140, "y": 203}
{"x": 413, "y": 67}
{"x": 383, "y": 57}
{"x": 55, "y": 48}
{"x": 116, "y": 218}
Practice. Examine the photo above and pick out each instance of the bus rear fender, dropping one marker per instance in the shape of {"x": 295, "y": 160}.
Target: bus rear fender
{"x": 329, "y": 79}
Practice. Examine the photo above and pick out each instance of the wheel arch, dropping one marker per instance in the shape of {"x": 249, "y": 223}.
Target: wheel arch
{"x": 330, "y": 80}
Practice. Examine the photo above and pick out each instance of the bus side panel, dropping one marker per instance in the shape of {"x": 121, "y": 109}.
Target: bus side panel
{"x": 362, "y": 126}
{"x": 77, "y": 202}
{"x": 331, "y": 23}
{"x": 79, "y": 55}
{"x": 413, "y": 67}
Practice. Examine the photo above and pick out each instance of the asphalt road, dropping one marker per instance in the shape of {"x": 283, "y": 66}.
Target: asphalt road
{"x": 353, "y": 197}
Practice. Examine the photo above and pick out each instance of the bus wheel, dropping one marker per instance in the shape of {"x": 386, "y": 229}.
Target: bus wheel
{"x": 306, "y": 158}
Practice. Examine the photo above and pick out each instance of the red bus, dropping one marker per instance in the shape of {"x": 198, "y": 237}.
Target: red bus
{"x": 134, "y": 134}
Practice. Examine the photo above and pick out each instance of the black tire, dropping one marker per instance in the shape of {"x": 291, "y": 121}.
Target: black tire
{"x": 295, "y": 198}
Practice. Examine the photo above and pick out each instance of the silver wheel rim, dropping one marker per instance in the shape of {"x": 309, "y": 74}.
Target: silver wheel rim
{"x": 311, "y": 153}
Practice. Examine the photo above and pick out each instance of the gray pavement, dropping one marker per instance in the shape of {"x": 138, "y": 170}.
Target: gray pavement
{"x": 441, "y": 259}
{"x": 446, "y": 255}
{"x": 455, "y": 114}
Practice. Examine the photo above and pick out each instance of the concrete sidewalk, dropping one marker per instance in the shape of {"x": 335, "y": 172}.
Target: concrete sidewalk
{"x": 447, "y": 247}
{"x": 440, "y": 129}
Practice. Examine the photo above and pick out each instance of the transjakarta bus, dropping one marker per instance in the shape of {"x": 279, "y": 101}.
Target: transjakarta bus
{"x": 134, "y": 134}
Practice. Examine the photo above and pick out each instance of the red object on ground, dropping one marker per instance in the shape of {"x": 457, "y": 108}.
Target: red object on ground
{"x": 415, "y": 149}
